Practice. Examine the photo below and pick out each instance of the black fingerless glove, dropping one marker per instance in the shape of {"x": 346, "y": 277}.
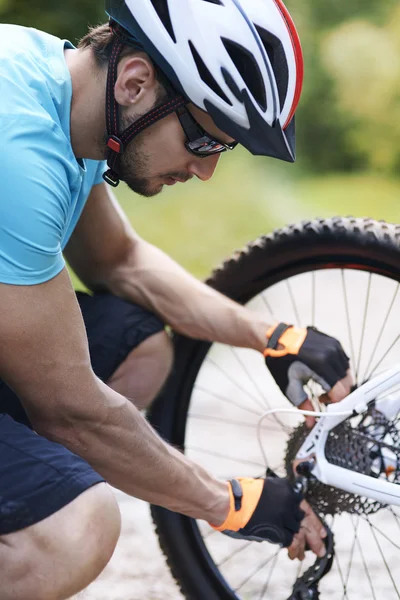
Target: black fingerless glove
{"x": 307, "y": 354}
{"x": 263, "y": 510}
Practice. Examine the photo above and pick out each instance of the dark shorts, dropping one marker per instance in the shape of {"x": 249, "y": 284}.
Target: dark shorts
{"x": 37, "y": 476}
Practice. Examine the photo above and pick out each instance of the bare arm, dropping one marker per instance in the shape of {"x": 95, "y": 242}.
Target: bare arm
{"x": 107, "y": 254}
{"x": 44, "y": 358}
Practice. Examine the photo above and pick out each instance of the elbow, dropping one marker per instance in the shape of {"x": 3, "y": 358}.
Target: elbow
{"x": 72, "y": 424}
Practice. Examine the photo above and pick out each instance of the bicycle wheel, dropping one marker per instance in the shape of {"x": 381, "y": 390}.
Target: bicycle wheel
{"x": 341, "y": 275}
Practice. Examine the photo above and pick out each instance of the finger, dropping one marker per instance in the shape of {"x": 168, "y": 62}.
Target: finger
{"x": 297, "y": 547}
{"x": 294, "y": 548}
{"x": 314, "y": 539}
{"x": 313, "y": 519}
{"x": 314, "y": 531}
{"x": 307, "y": 405}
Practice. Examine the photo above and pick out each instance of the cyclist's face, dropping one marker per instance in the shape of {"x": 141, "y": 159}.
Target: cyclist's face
{"x": 158, "y": 156}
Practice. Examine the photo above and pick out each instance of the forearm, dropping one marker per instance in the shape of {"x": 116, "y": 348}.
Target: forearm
{"x": 119, "y": 444}
{"x": 152, "y": 279}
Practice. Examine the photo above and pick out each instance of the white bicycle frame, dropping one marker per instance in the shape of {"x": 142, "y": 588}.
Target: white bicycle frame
{"x": 356, "y": 403}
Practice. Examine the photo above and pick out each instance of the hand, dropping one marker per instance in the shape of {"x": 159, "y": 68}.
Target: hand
{"x": 264, "y": 510}
{"x": 296, "y": 355}
{"x": 339, "y": 391}
{"x": 311, "y": 535}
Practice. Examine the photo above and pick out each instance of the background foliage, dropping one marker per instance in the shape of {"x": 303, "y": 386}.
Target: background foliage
{"x": 348, "y": 127}
{"x": 349, "y": 116}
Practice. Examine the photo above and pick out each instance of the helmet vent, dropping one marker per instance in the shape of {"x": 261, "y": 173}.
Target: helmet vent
{"x": 206, "y": 76}
{"x": 161, "y": 8}
{"x": 276, "y": 55}
{"x": 215, "y": 2}
{"x": 249, "y": 70}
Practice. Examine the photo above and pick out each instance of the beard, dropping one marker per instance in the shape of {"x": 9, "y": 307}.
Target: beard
{"x": 136, "y": 165}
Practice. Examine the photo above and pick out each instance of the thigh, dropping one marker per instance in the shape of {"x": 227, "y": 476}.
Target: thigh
{"x": 114, "y": 327}
{"x": 37, "y": 477}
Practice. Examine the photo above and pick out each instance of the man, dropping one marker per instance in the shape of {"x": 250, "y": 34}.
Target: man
{"x": 182, "y": 82}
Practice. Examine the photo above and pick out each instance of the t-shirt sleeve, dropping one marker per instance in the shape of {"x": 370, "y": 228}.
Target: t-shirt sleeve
{"x": 102, "y": 168}
{"x": 34, "y": 198}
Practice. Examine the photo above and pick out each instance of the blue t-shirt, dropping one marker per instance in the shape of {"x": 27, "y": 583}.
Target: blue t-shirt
{"x": 43, "y": 186}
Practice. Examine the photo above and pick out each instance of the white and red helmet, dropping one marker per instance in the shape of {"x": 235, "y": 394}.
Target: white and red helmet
{"x": 239, "y": 60}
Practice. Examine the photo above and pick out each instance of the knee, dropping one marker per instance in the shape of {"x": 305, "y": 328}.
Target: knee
{"x": 61, "y": 555}
{"x": 93, "y": 530}
{"x": 100, "y": 526}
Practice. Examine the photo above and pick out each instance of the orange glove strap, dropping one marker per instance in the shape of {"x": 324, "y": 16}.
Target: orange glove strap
{"x": 236, "y": 519}
{"x": 293, "y": 339}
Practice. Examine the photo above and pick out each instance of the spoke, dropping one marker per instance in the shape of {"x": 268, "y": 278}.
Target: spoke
{"x": 224, "y": 456}
{"x": 271, "y": 570}
{"x": 383, "y": 534}
{"x": 228, "y": 400}
{"x": 267, "y": 304}
{"x": 384, "y": 356}
{"x": 313, "y": 299}
{"x": 395, "y": 516}
{"x": 296, "y": 312}
{"x": 363, "y": 325}
{"x": 381, "y": 331}
{"x": 363, "y": 559}
{"x": 261, "y": 566}
{"x": 351, "y": 556}
{"x": 259, "y": 391}
{"x": 339, "y": 568}
{"x": 231, "y": 422}
{"x": 372, "y": 527}
{"x": 232, "y": 554}
{"x": 240, "y": 387}
{"x": 246, "y": 392}
{"x": 251, "y": 379}
{"x": 345, "y": 594}
{"x": 348, "y": 321}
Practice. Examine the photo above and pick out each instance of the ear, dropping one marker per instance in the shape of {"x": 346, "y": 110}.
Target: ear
{"x": 136, "y": 80}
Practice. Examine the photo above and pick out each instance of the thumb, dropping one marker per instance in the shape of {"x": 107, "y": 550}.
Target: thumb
{"x": 307, "y": 405}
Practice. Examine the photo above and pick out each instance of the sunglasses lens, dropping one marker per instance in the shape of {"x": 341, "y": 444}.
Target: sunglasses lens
{"x": 205, "y": 145}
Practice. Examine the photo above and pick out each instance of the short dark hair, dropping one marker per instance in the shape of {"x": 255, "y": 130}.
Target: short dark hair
{"x": 100, "y": 40}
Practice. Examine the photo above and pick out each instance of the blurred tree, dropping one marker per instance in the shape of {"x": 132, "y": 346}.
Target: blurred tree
{"x": 64, "y": 19}
{"x": 349, "y": 111}
{"x": 349, "y": 114}
{"x": 364, "y": 61}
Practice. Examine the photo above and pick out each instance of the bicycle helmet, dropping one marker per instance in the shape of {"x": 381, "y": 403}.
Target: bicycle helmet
{"x": 239, "y": 60}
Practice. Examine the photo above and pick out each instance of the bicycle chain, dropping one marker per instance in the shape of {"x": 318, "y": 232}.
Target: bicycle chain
{"x": 306, "y": 586}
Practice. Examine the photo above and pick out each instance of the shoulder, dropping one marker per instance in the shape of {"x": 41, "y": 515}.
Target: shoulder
{"x": 34, "y": 152}
{"x": 34, "y": 75}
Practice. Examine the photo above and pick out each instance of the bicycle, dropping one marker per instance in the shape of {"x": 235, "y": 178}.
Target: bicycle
{"x": 223, "y": 409}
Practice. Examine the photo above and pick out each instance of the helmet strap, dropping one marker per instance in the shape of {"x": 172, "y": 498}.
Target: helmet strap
{"x": 117, "y": 141}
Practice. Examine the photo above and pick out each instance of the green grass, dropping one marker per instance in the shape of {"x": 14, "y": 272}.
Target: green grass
{"x": 199, "y": 224}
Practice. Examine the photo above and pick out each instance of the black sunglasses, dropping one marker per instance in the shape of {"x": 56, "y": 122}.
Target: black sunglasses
{"x": 199, "y": 142}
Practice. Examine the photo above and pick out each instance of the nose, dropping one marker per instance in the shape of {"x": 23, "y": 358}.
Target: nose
{"x": 204, "y": 168}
